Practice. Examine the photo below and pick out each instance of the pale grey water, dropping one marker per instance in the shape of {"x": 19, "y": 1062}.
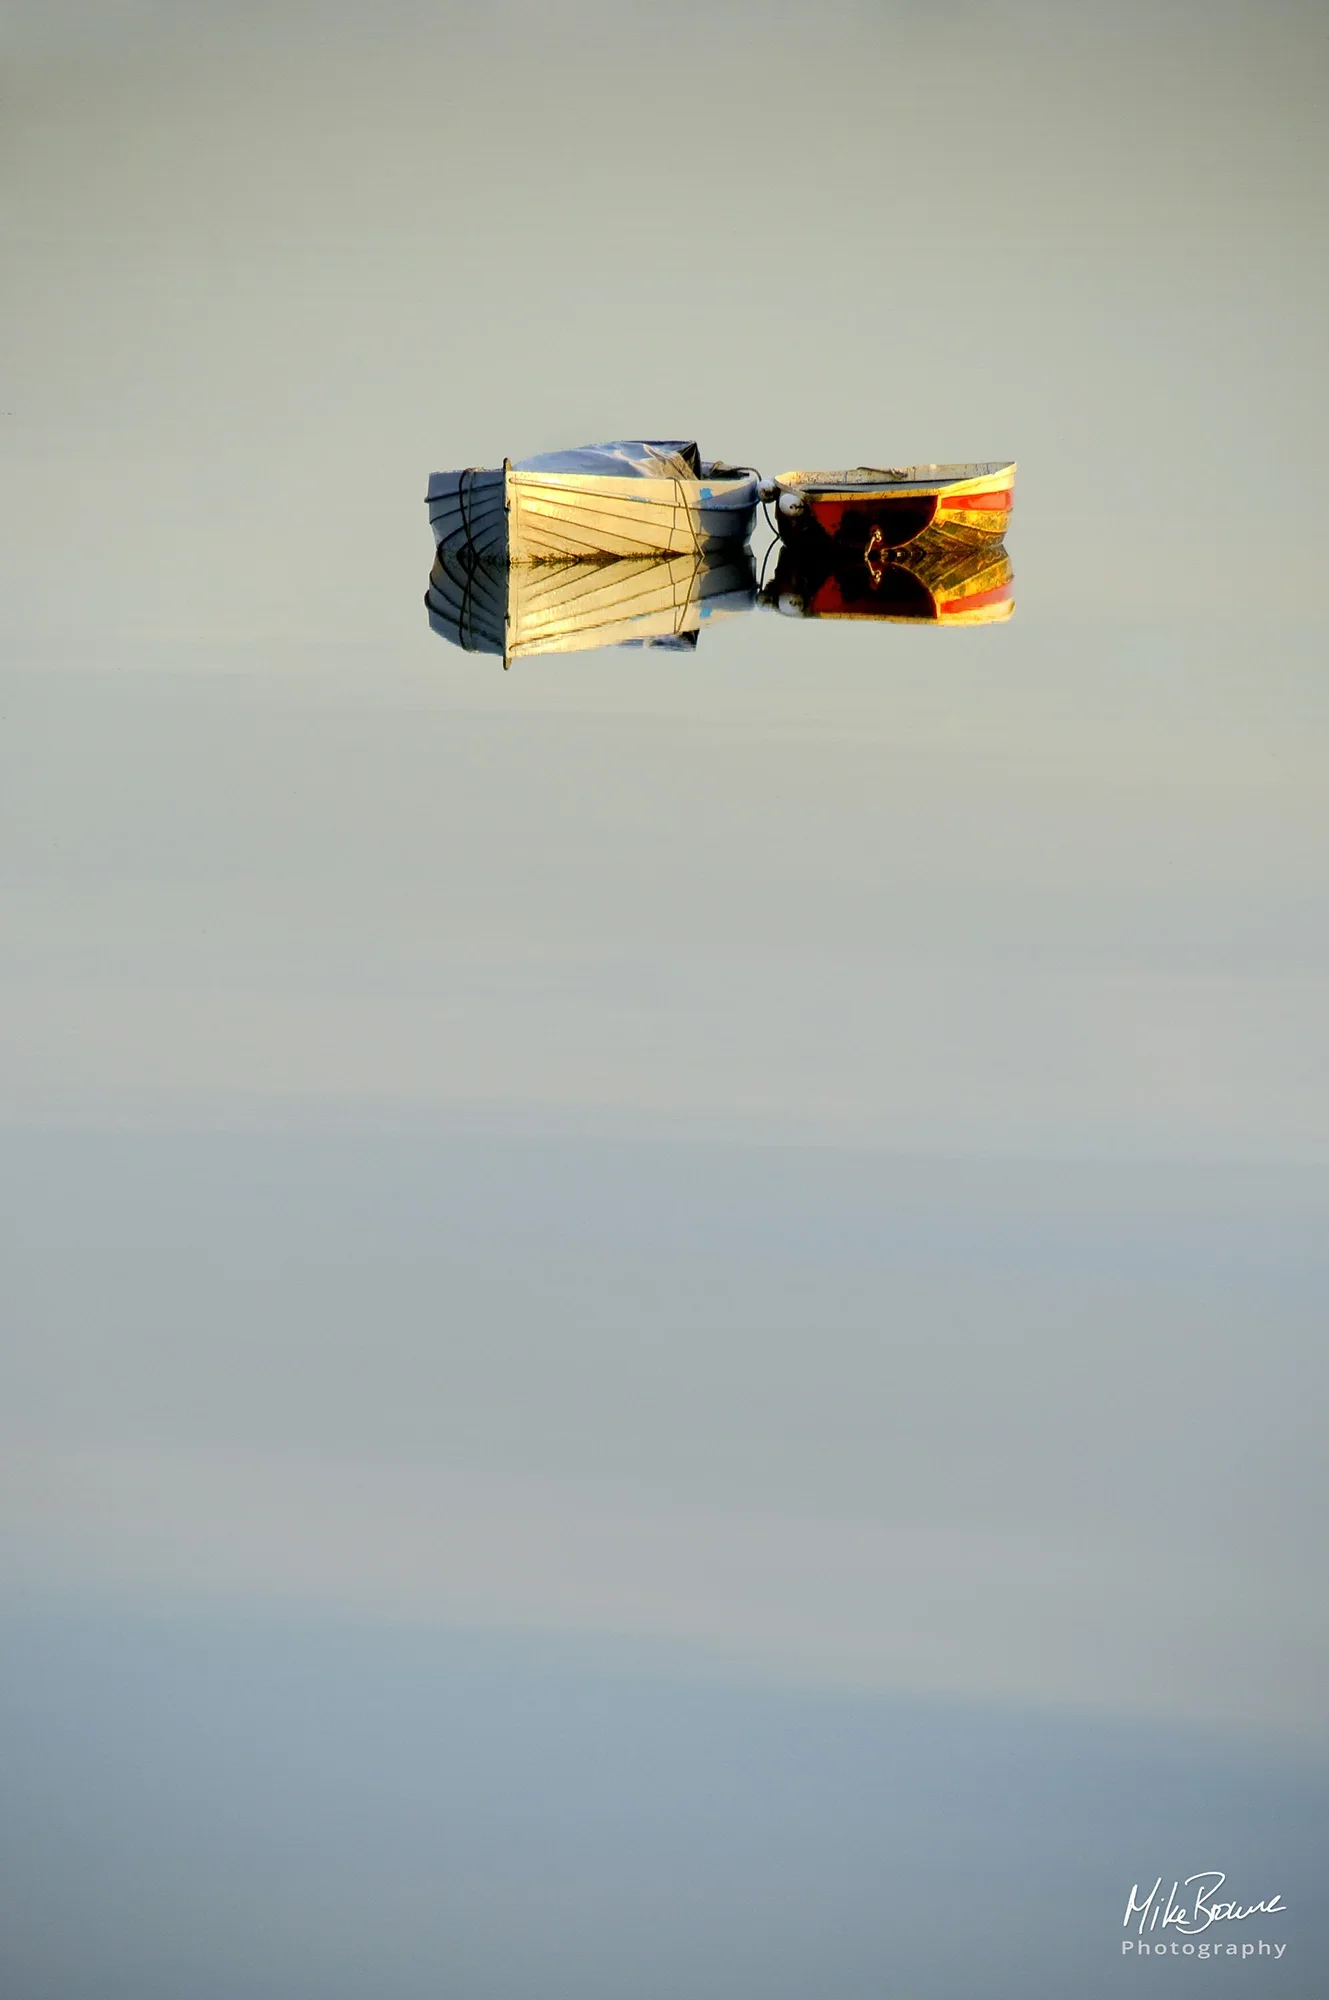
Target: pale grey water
{"x": 662, "y": 1314}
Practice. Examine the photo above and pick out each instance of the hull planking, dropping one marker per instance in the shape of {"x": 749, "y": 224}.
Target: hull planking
{"x": 503, "y": 515}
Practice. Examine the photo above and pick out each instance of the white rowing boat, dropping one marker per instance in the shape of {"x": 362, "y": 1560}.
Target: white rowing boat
{"x": 516, "y": 611}
{"x": 632, "y": 498}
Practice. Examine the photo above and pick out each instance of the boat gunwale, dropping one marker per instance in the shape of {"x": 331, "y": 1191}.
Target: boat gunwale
{"x": 642, "y": 492}
{"x": 975, "y": 477}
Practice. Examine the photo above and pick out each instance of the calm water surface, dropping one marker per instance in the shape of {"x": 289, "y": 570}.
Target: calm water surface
{"x": 662, "y": 1314}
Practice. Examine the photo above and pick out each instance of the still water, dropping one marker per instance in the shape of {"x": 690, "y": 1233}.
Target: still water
{"x": 662, "y": 1312}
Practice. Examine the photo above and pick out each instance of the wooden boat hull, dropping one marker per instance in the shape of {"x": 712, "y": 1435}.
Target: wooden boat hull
{"x": 560, "y": 517}
{"x": 511, "y": 516}
{"x": 937, "y": 585}
{"x": 524, "y": 609}
{"x": 934, "y": 506}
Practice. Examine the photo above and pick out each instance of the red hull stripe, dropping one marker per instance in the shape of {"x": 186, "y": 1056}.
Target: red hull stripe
{"x": 978, "y": 600}
{"x": 900, "y": 517}
{"x": 828, "y": 600}
{"x": 980, "y": 500}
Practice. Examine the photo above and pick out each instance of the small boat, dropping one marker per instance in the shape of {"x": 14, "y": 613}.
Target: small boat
{"x": 893, "y": 507}
{"x": 815, "y": 579}
{"x": 518, "y": 610}
{"x": 630, "y": 498}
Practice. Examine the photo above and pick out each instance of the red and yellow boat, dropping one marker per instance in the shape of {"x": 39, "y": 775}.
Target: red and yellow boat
{"x": 897, "y": 506}
{"x": 938, "y": 586}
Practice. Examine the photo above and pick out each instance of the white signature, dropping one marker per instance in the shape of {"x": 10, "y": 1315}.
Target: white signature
{"x": 1194, "y": 1913}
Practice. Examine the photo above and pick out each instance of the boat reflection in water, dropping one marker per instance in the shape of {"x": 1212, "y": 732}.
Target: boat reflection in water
{"x": 517, "y": 611}
{"x": 514, "y": 612}
{"x": 925, "y": 585}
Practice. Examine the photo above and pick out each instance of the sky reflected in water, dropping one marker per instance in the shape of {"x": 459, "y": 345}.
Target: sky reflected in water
{"x": 662, "y": 1313}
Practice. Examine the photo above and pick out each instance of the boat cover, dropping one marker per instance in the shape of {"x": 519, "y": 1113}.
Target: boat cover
{"x": 624, "y": 458}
